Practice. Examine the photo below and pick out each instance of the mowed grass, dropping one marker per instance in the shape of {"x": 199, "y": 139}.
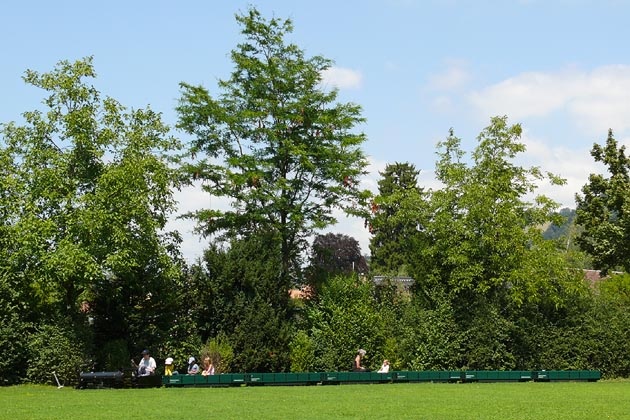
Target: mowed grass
{"x": 561, "y": 400}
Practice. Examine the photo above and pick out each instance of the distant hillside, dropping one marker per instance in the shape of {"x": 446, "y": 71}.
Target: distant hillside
{"x": 553, "y": 231}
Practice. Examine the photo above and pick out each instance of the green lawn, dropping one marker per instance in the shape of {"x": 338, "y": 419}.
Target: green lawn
{"x": 567, "y": 400}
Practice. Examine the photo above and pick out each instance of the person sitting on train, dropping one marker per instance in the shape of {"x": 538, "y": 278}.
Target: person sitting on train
{"x": 356, "y": 363}
{"x": 147, "y": 364}
{"x": 384, "y": 367}
{"x": 168, "y": 366}
{"x": 208, "y": 367}
{"x": 193, "y": 368}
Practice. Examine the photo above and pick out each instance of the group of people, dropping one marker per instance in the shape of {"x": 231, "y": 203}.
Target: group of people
{"x": 193, "y": 367}
{"x": 357, "y": 367}
{"x": 147, "y": 366}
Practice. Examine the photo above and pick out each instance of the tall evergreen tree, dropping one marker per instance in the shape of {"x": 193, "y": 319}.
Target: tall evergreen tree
{"x": 235, "y": 295}
{"x": 392, "y": 225}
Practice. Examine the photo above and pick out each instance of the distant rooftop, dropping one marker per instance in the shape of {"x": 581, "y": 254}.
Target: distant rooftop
{"x": 406, "y": 282}
{"x": 594, "y": 276}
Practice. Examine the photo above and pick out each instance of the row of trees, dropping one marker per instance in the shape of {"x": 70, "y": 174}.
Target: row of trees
{"x": 89, "y": 276}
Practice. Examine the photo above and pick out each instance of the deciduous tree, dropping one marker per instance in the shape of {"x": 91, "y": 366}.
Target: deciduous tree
{"x": 483, "y": 240}
{"x": 603, "y": 209}
{"x": 333, "y": 254}
{"x": 87, "y": 190}
{"x": 274, "y": 142}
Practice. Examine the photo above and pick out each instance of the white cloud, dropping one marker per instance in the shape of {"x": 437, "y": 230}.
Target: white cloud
{"x": 596, "y": 100}
{"x": 190, "y": 199}
{"x": 453, "y": 77}
{"x": 574, "y": 165}
{"x": 342, "y": 78}
{"x": 442, "y": 104}
{"x": 193, "y": 198}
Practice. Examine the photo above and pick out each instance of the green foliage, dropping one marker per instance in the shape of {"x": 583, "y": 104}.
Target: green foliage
{"x": 209, "y": 295}
{"x": 563, "y": 229}
{"x": 603, "y": 208}
{"x": 261, "y": 338}
{"x": 14, "y": 334}
{"x": 343, "y": 319}
{"x": 483, "y": 240}
{"x": 55, "y": 348}
{"x": 114, "y": 355}
{"x": 302, "y": 352}
{"x": 240, "y": 294}
{"x": 596, "y": 338}
{"x": 615, "y": 289}
{"x": 564, "y": 233}
{"x": 184, "y": 336}
{"x": 397, "y": 215}
{"x": 220, "y": 352}
{"x": 487, "y": 341}
{"x": 432, "y": 339}
{"x": 89, "y": 193}
{"x": 481, "y": 263}
{"x": 274, "y": 142}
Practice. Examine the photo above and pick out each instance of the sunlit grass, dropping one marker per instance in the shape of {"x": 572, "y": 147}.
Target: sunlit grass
{"x": 562, "y": 400}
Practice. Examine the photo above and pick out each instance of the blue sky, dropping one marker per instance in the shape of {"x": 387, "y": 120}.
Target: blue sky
{"x": 560, "y": 68}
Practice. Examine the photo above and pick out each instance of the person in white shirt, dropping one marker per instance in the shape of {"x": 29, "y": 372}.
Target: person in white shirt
{"x": 147, "y": 365}
{"x": 193, "y": 368}
{"x": 384, "y": 367}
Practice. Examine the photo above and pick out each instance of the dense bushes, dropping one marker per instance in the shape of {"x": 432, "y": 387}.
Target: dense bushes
{"x": 55, "y": 348}
{"x": 14, "y": 339}
{"x": 342, "y": 319}
{"x": 349, "y": 313}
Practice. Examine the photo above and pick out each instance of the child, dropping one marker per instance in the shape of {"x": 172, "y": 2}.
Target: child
{"x": 384, "y": 367}
{"x": 208, "y": 367}
{"x": 168, "y": 366}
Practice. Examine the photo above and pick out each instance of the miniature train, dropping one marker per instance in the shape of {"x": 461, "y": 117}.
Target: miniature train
{"x": 122, "y": 379}
{"x": 336, "y": 378}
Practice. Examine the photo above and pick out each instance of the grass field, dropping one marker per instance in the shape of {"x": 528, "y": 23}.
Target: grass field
{"x": 566, "y": 400}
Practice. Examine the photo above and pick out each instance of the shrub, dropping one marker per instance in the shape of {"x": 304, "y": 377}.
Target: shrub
{"x": 14, "y": 349}
{"x": 302, "y": 353}
{"x": 342, "y": 319}
{"x": 114, "y": 355}
{"x": 220, "y": 352}
{"x": 54, "y": 348}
